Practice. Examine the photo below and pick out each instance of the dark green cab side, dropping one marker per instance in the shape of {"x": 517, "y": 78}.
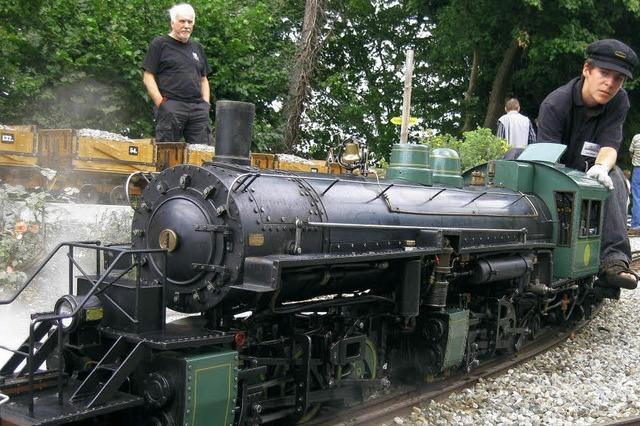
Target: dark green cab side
{"x": 576, "y": 204}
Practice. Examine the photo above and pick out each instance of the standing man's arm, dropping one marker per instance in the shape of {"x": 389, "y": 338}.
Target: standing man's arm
{"x": 500, "y": 131}
{"x": 532, "y": 134}
{"x": 149, "y": 80}
{"x": 634, "y": 141}
{"x": 204, "y": 87}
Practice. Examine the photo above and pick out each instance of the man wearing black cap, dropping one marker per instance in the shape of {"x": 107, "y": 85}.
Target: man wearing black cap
{"x": 587, "y": 115}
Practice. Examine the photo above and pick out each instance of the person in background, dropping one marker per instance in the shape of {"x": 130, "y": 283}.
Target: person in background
{"x": 175, "y": 76}
{"x": 627, "y": 181}
{"x": 515, "y": 128}
{"x": 634, "y": 148}
{"x": 587, "y": 115}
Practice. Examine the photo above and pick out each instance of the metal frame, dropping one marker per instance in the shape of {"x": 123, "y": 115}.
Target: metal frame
{"x": 53, "y": 318}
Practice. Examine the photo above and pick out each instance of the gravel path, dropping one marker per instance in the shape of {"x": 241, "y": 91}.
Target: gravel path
{"x": 592, "y": 378}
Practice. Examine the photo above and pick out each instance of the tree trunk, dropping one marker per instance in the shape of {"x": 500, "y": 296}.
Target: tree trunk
{"x": 468, "y": 96}
{"x": 499, "y": 87}
{"x": 302, "y": 70}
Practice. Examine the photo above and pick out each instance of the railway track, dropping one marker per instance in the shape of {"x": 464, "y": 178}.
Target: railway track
{"x": 399, "y": 402}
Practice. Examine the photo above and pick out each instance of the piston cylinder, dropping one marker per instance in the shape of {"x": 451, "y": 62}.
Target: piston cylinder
{"x": 491, "y": 270}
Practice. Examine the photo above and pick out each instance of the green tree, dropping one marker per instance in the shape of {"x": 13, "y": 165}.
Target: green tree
{"x": 75, "y": 63}
{"x": 358, "y": 84}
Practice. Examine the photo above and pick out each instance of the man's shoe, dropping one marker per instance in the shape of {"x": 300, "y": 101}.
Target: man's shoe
{"x": 617, "y": 274}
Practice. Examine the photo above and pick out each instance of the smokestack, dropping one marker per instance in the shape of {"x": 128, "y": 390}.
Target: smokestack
{"x": 234, "y": 121}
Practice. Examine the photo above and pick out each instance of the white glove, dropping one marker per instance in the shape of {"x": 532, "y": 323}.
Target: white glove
{"x": 601, "y": 173}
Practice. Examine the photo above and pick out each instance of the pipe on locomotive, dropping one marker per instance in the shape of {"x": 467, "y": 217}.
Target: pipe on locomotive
{"x": 234, "y": 121}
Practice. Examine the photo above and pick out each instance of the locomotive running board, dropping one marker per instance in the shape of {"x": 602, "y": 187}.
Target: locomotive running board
{"x": 47, "y": 411}
{"x": 263, "y": 274}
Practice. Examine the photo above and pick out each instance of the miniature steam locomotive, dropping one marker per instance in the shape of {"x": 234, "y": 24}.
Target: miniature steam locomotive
{"x": 308, "y": 290}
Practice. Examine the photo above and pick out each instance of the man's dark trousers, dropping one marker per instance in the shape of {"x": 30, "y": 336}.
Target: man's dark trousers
{"x": 175, "y": 119}
{"x": 615, "y": 244}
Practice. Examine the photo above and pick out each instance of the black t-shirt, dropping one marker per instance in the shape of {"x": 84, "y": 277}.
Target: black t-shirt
{"x": 563, "y": 118}
{"x": 178, "y": 68}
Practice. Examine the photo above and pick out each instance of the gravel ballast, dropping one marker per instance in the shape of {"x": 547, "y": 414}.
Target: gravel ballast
{"x": 592, "y": 378}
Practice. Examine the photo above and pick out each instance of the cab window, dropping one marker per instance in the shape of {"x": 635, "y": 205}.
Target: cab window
{"x": 564, "y": 207}
{"x": 590, "y": 218}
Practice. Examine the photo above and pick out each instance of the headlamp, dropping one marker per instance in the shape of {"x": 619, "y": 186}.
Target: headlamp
{"x": 91, "y": 311}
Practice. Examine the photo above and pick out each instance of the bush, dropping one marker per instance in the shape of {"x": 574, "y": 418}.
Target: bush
{"x": 476, "y": 147}
{"x": 22, "y": 233}
{"x": 113, "y": 226}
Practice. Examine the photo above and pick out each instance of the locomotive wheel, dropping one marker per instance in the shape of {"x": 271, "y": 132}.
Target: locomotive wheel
{"x": 88, "y": 194}
{"x": 535, "y": 325}
{"x": 362, "y": 369}
{"x": 366, "y": 367}
{"x": 117, "y": 195}
{"x": 309, "y": 414}
{"x": 311, "y": 411}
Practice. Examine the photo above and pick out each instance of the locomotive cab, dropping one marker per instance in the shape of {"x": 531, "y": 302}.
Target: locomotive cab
{"x": 575, "y": 202}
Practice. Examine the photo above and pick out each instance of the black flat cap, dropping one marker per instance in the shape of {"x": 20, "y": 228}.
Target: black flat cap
{"x": 613, "y": 55}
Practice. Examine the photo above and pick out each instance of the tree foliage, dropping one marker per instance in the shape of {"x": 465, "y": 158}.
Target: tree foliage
{"x": 552, "y": 38}
{"x": 358, "y": 88}
{"x": 76, "y": 63}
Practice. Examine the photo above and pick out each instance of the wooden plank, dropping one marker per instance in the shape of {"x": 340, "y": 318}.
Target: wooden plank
{"x": 56, "y": 147}
{"x": 170, "y": 154}
{"x": 111, "y": 167}
{"x": 406, "y": 98}
{"x": 264, "y": 161}
{"x": 25, "y": 128}
{"x": 18, "y": 160}
{"x": 309, "y": 166}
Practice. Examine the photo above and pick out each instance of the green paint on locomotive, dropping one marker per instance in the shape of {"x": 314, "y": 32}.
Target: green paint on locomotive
{"x": 576, "y": 204}
{"x": 410, "y": 163}
{"x": 211, "y": 388}
{"x": 445, "y": 164}
{"x": 458, "y": 323}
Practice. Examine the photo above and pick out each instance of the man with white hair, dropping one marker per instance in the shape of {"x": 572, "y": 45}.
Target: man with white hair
{"x": 175, "y": 76}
